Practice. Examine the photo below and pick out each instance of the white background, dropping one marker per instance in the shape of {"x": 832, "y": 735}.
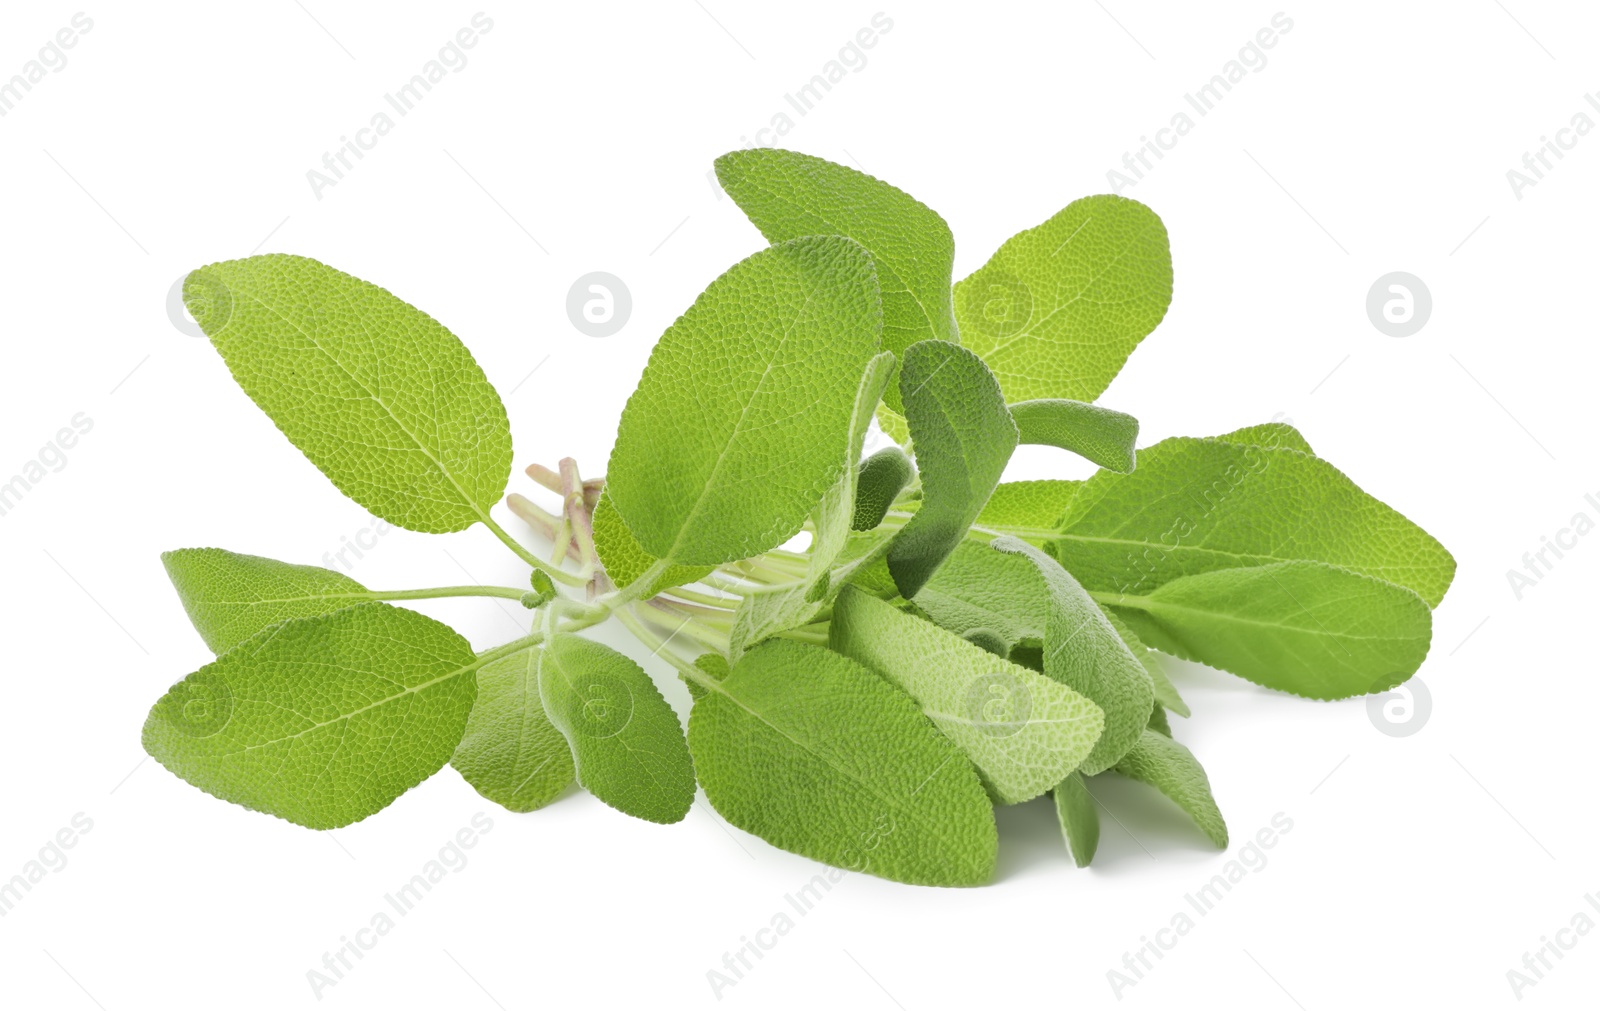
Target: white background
{"x": 578, "y": 138}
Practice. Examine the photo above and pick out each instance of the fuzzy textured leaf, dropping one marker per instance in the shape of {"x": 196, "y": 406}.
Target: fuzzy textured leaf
{"x": 1080, "y": 822}
{"x": 230, "y": 597}
{"x": 1170, "y": 767}
{"x": 625, "y": 561}
{"x": 321, "y": 721}
{"x": 1023, "y": 731}
{"x": 381, "y": 397}
{"x": 511, "y": 752}
{"x": 1100, "y": 435}
{"x": 1058, "y": 308}
{"x": 819, "y": 756}
{"x": 742, "y": 418}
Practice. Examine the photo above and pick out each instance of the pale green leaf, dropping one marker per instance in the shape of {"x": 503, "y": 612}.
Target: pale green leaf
{"x": 788, "y": 195}
{"x": 1102, "y": 436}
{"x": 1023, "y": 731}
{"x": 511, "y": 753}
{"x": 1302, "y": 627}
{"x": 884, "y": 475}
{"x": 381, "y": 397}
{"x": 1158, "y": 720}
{"x": 764, "y": 612}
{"x": 742, "y": 418}
{"x": 1166, "y": 691}
{"x": 322, "y": 720}
{"x": 1197, "y": 505}
{"x": 1058, "y": 308}
{"x": 1272, "y": 434}
{"x": 625, "y": 561}
{"x": 626, "y": 741}
{"x": 819, "y": 756}
{"x": 230, "y": 597}
{"x": 1083, "y": 651}
{"x": 1080, "y": 822}
{"x": 1170, "y": 767}
{"x": 1031, "y": 510}
{"x": 963, "y": 436}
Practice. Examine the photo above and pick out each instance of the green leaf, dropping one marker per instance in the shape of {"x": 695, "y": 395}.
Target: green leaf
{"x": 1024, "y": 732}
{"x": 1058, "y": 308}
{"x": 1166, "y": 692}
{"x": 741, "y": 420}
{"x": 980, "y": 588}
{"x": 1272, "y": 434}
{"x": 382, "y": 398}
{"x": 1158, "y": 721}
{"x": 1031, "y": 510}
{"x": 821, "y": 757}
{"x": 321, "y": 721}
{"x": 1300, "y": 627}
{"x": 1080, "y": 822}
{"x": 511, "y": 753}
{"x": 1171, "y": 768}
{"x": 788, "y": 195}
{"x": 1084, "y": 652}
{"x": 1198, "y": 505}
{"x": 963, "y": 436}
{"x": 625, "y": 561}
{"x": 884, "y": 475}
{"x": 230, "y": 597}
{"x": 1102, "y": 436}
{"x": 626, "y": 741}
{"x": 836, "y": 552}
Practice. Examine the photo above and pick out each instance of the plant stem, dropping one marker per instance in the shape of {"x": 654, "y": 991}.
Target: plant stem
{"x": 684, "y": 593}
{"x": 558, "y": 574}
{"x": 658, "y": 645}
{"x": 508, "y": 592}
{"x": 514, "y": 646}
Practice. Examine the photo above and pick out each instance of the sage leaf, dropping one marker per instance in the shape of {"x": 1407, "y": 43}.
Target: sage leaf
{"x": 321, "y": 721}
{"x": 625, "y": 561}
{"x": 627, "y": 744}
{"x": 1058, "y": 308}
{"x": 510, "y": 752}
{"x": 1272, "y": 434}
{"x": 1023, "y": 731}
{"x": 1196, "y": 505}
{"x": 1302, "y": 627}
{"x": 1031, "y": 510}
{"x": 1080, "y": 822}
{"x": 1102, "y": 436}
{"x": 787, "y": 195}
{"x": 229, "y": 597}
{"x": 740, "y": 422}
{"x": 963, "y": 436}
{"x": 1163, "y": 763}
{"x": 377, "y": 394}
{"x": 819, "y": 756}
{"x": 884, "y": 475}
{"x": 1166, "y": 692}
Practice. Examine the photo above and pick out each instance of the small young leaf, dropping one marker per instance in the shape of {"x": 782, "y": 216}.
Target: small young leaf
{"x": 1102, "y": 436}
{"x": 1083, "y": 652}
{"x": 1196, "y": 505}
{"x": 230, "y": 597}
{"x": 1031, "y": 510}
{"x": 382, "y": 398}
{"x": 1158, "y": 721}
{"x": 1168, "y": 766}
{"x": 511, "y": 753}
{"x": 625, "y": 561}
{"x": 788, "y": 195}
{"x": 1058, "y": 308}
{"x": 626, "y": 741}
{"x": 963, "y": 436}
{"x": 1023, "y": 731}
{"x": 1166, "y": 692}
{"x": 1080, "y": 822}
{"x": 741, "y": 420}
{"x": 819, "y": 756}
{"x": 884, "y": 475}
{"x": 1300, "y": 627}
{"x": 321, "y": 721}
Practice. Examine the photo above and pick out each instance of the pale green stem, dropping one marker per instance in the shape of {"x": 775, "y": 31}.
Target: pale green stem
{"x": 510, "y": 593}
{"x": 658, "y": 645}
{"x": 684, "y": 593}
{"x": 554, "y": 572}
